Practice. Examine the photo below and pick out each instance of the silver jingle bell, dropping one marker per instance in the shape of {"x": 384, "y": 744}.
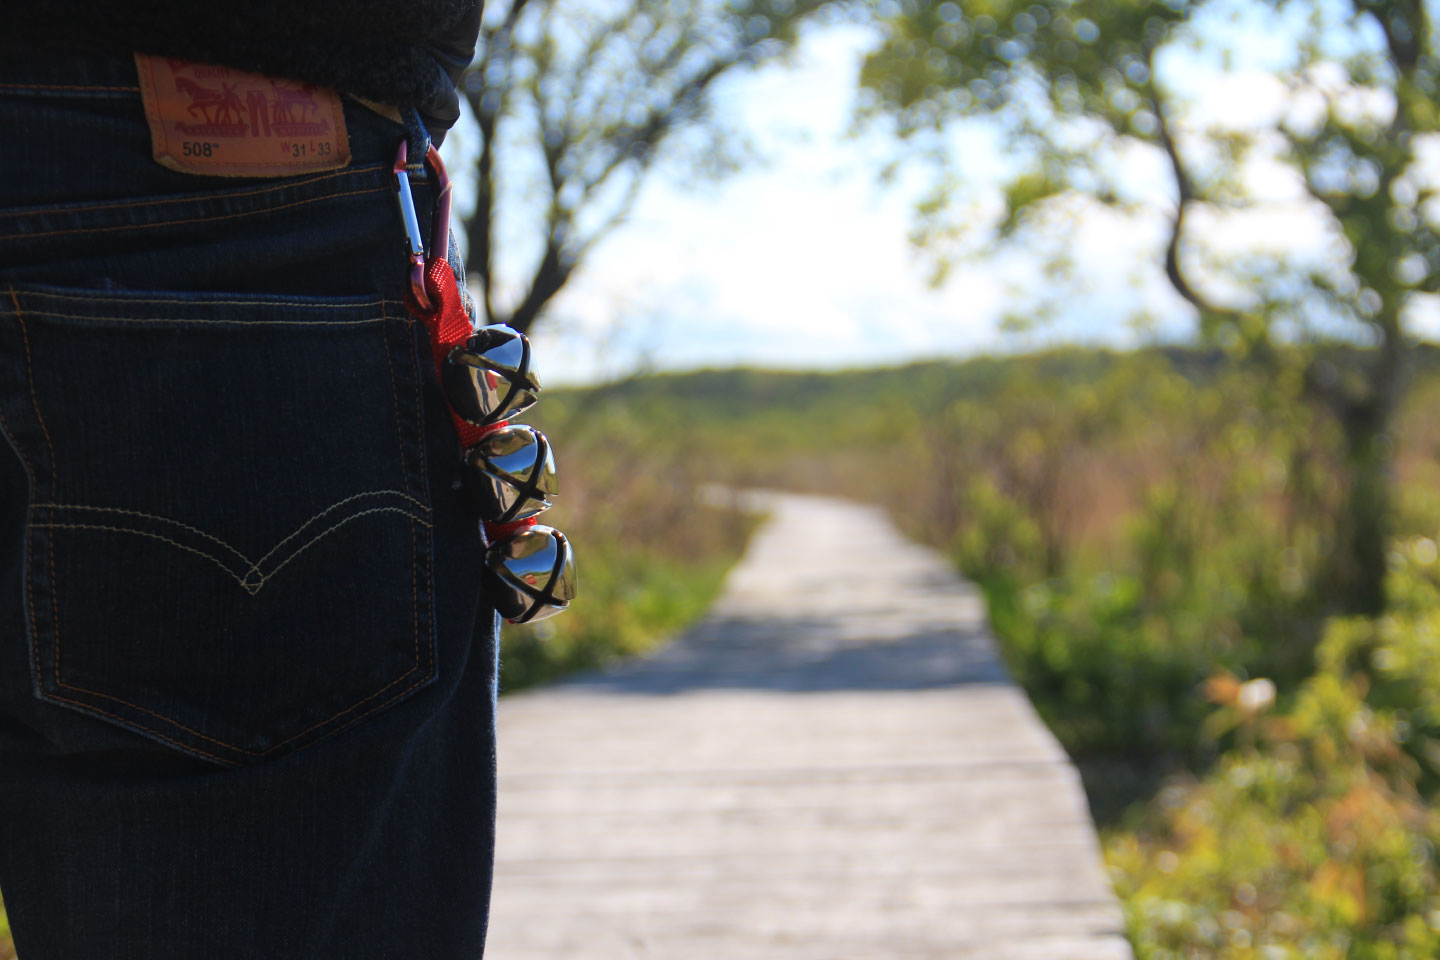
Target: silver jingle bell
{"x": 510, "y": 474}
{"x": 488, "y": 378}
{"x": 531, "y": 574}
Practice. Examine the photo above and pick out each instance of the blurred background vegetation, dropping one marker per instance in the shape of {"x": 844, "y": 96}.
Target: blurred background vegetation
{"x": 1212, "y": 564}
{"x": 652, "y": 548}
{"x": 1154, "y": 532}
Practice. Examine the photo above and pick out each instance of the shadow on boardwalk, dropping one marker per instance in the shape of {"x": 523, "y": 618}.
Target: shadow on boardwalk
{"x": 834, "y": 765}
{"x": 803, "y": 657}
{"x": 829, "y": 598}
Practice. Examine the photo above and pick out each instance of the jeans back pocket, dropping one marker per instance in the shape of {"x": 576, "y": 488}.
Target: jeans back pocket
{"x": 228, "y": 539}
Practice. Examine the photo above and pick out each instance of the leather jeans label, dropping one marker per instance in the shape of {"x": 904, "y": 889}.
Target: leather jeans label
{"x": 223, "y": 122}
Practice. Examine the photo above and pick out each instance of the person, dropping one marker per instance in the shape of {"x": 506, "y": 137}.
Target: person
{"x": 247, "y": 662}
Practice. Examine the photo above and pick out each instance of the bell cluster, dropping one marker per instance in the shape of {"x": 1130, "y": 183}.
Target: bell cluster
{"x": 509, "y": 473}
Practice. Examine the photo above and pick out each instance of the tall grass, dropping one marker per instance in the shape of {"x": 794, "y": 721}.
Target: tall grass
{"x": 651, "y": 551}
{"x": 1156, "y": 536}
{"x": 1315, "y": 834}
{"x": 1157, "y": 547}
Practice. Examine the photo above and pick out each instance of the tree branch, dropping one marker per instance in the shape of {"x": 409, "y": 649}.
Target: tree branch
{"x": 1186, "y": 194}
{"x": 480, "y": 225}
{"x": 550, "y": 276}
{"x": 487, "y": 102}
{"x": 604, "y": 92}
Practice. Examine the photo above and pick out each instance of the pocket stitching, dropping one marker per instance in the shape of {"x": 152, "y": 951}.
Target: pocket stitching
{"x": 334, "y": 506}
{"x": 149, "y": 516}
{"x": 379, "y": 321}
{"x": 183, "y": 199}
{"x": 66, "y": 86}
{"x": 126, "y": 722}
{"x": 29, "y": 584}
{"x": 54, "y": 597}
{"x": 265, "y": 578}
{"x": 221, "y": 743}
{"x": 34, "y": 481}
{"x": 414, "y": 567}
{"x": 189, "y": 220}
{"x": 405, "y": 478}
{"x": 142, "y": 533}
{"x": 100, "y": 295}
{"x": 252, "y": 567}
{"x": 60, "y": 682}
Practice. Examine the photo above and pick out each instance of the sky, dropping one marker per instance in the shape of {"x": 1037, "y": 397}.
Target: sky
{"x": 802, "y": 259}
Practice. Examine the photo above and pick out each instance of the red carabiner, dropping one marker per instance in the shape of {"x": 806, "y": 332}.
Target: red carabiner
{"x": 439, "y": 221}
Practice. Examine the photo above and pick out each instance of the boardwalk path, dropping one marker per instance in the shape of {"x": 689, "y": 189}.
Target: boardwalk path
{"x": 832, "y": 766}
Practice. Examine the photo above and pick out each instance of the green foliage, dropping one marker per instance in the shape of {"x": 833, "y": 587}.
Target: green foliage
{"x": 1077, "y": 82}
{"x": 1137, "y": 521}
{"x": 1319, "y": 840}
{"x": 651, "y": 550}
{"x": 636, "y": 452}
{"x": 632, "y": 601}
{"x": 1107, "y": 675}
{"x": 1152, "y": 532}
{"x": 1187, "y": 554}
{"x": 1080, "y": 85}
{"x": 1134, "y": 530}
{"x": 1197, "y": 558}
{"x": 1000, "y": 542}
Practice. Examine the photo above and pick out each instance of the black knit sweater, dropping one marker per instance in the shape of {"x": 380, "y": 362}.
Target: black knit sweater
{"x": 409, "y": 54}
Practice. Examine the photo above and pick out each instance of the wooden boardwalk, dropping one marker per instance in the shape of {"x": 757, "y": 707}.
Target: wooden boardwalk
{"x": 832, "y": 766}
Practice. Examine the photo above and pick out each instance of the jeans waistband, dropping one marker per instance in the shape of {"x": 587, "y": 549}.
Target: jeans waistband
{"x": 57, "y": 77}
{"x": 81, "y": 179}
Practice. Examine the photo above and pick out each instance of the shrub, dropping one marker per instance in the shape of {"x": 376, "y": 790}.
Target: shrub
{"x": 651, "y": 551}
{"x": 1318, "y": 841}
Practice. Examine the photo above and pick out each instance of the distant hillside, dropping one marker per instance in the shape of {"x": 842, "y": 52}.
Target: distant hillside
{"x": 729, "y": 397}
{"x": 740, "y": 394}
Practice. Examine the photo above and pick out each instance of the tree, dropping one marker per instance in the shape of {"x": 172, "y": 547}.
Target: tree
{"x": 1076, "y": 84}
{"x": 580, "y": 98}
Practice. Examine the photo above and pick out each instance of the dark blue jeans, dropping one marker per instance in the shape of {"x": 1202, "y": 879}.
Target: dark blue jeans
{"x": 247, "y": 671}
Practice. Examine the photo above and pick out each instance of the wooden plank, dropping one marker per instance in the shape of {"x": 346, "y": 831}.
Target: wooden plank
{"x": 833, "y": 765}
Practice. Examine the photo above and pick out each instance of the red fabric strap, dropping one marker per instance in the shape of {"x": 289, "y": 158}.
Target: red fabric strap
{"x": 449, "y": 326}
